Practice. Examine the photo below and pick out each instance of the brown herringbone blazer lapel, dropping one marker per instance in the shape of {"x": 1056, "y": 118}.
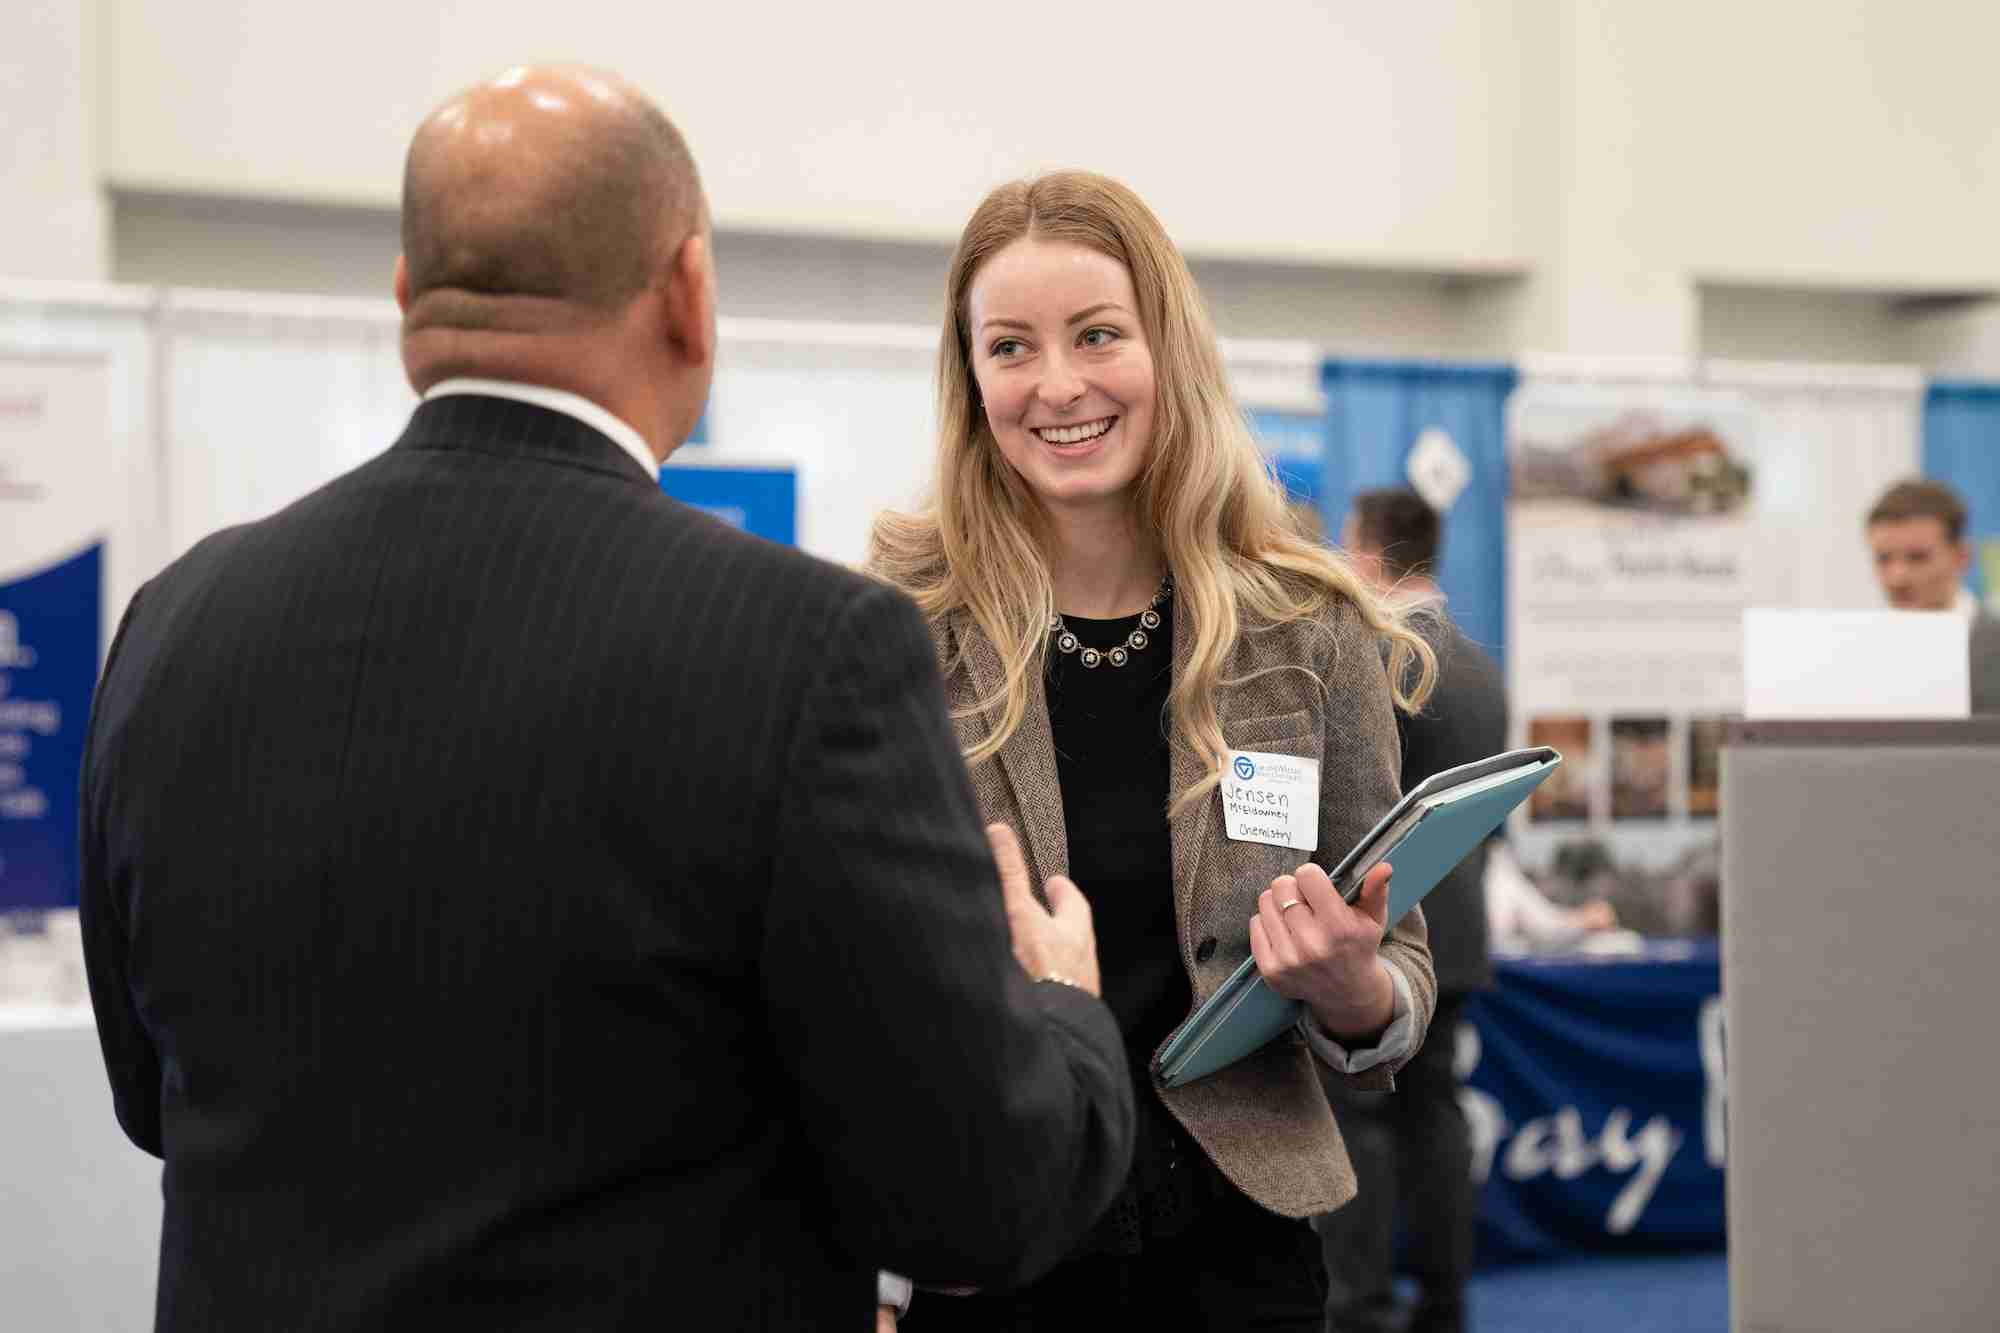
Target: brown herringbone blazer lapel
{"x": 1028, "y": 759}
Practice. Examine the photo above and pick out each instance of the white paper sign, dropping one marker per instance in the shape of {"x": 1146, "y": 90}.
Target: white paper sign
{"x": 1438, "y": 469}
{"x": 1856, "y": 664}
{"x": 1271, "y": 798}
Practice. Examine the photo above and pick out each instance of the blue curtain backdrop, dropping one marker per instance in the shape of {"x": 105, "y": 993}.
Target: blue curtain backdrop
{"x": 1295, "y": 442}
{"x": 1375, "y": 412}
{"x": 1962, "y": 449}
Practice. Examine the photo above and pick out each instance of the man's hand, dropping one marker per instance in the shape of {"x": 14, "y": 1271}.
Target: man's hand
{"x": 1311, "y": 946}
{"x": 1059, "y": 943}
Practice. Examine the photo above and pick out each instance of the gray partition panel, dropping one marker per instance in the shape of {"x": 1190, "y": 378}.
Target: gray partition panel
{"x": 1861, "y": 981}
{"x": 79, "y": 1205}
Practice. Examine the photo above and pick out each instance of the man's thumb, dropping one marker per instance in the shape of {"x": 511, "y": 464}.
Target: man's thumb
{"x": 1066, "y": 900}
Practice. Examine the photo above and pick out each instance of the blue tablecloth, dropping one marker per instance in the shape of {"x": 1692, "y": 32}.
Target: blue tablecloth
{"x": 1596, "y": 1097}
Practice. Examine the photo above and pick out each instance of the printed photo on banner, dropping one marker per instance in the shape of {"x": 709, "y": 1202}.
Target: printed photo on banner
{"x": 1566, "y": 793}
{"x": 1704, "y": 749}
{"x": 1640, "y": 767}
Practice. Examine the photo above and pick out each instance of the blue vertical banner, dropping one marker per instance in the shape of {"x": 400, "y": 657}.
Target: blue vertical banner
{"x": 1295, "y": 443}
{"x": 62, "y": 498}
{"x": 759, "y": 500}
{"x": 49, "y": 646}
{"x": 1962, "y": 449}
{"x": 1377, "y": 414}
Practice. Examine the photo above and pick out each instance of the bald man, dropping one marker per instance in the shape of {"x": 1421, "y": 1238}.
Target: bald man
{"x": 515, "y": 901}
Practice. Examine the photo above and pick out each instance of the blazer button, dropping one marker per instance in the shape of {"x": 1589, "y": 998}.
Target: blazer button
{"x": 1205, "y": 950}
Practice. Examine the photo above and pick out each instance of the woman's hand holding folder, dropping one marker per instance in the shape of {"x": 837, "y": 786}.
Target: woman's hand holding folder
{"x": 1312, "y": 947}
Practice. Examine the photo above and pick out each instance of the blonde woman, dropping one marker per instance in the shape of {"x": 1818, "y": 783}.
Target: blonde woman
{"x": 1121, "y": 603}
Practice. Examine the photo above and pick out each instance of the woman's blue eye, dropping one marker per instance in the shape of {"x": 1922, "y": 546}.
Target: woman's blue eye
{"x": 1098, "y": 337}
{"x": 1006, "y": 347}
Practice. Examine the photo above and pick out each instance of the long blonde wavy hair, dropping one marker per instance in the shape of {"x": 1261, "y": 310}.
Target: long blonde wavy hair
{"x": 1239, "y": 558}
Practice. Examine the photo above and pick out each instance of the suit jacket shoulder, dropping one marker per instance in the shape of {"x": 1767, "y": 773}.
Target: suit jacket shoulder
{"x": 463, "y": 852}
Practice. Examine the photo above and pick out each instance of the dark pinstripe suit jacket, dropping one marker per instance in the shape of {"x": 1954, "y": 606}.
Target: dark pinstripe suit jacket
{"x": 515, "y": 900}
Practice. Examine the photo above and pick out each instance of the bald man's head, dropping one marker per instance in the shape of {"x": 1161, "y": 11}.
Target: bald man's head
{"x": 563, "y": 184}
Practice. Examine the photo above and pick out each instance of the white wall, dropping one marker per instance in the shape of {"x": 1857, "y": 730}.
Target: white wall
{"x": 181, "y": 241}
{"x": 849, "y": 406}
{"x": 1276, "y": 129}
{"x": 1461, "y": 178}
{"x": 1792, "y": 324}
{"x": 252, "y": 245}
{"x": 53, "y": 222}
{"x": 1841, "y": 142}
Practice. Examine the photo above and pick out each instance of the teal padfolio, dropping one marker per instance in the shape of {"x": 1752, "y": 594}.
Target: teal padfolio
{"x": 1425, "y": 835}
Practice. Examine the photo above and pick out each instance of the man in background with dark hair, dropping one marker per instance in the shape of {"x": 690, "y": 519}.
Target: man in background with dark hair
{"x": 1414, "y": 1144}
{"x": 1916, "y": 533}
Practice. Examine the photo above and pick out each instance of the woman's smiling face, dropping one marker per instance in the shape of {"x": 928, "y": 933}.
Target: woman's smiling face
{"x": 1065, "y": 375}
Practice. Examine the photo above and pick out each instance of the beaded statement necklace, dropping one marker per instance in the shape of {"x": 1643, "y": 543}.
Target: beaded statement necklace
{"x": 1135, "y": 642}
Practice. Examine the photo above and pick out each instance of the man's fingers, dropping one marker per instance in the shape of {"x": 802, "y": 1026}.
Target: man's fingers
{"x": 1066, "y": 900}
{"x": 1015, "y": 889}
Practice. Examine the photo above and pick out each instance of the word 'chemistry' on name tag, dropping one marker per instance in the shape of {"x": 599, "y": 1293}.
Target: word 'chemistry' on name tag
{"x": 1271, "y": 798}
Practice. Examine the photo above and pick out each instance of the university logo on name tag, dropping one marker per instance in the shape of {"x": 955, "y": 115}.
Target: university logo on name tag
{"x": 1271, "y": 798}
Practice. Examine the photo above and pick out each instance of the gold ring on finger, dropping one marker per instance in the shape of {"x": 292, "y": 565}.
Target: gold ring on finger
{"x": 1290, "y": 903}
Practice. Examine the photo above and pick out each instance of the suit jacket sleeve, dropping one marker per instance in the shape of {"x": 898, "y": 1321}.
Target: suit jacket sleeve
{"x": 974, "y": 1123}
{"x": 1360, "y": 779}
{"x": 129, "y": 1054}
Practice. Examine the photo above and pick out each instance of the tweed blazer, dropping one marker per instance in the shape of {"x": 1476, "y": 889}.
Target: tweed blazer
{"x": 1314, "y": 688}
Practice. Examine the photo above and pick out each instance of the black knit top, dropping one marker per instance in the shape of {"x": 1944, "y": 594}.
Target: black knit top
{"x": 1110, "y": 727}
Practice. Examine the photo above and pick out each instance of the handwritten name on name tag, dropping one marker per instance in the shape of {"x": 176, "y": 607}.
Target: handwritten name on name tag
{"x": 1271, "y": 798}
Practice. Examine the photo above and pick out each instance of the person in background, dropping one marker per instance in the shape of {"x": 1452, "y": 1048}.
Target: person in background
{"x": 1520, "y": 918}
{"x": 514, "y": 900}
{"x": 1120, "y": 601}
{"x": 1525, "y": 919}
{"x": 1916, "y": 533}
{"x": 1412, "y": 1149}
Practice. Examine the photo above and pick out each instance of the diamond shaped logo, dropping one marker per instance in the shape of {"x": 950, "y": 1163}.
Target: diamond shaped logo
{"x": 1438, "y": 469}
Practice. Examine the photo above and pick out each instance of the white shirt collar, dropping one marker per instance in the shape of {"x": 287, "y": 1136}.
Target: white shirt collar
{"x": 556, "y": 400}
{"x": 1966, "y": 604}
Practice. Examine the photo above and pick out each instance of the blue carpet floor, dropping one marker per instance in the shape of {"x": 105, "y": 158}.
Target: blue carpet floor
{"x": 1663, "y": 1294}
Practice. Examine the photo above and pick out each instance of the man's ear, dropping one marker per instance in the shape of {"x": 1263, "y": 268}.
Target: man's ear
{"x": 690, "y": 301}
{"x": 402, "y": 284}
{"x": 1962, "y": 550}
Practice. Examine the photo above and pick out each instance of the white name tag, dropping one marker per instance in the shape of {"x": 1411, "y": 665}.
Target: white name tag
{"x": 1271, "y": 798}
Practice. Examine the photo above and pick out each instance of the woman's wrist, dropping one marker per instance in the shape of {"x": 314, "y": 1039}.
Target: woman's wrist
{"x": 1360, "y": 1014}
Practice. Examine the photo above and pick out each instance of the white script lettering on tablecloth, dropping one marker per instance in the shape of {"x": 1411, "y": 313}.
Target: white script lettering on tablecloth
{"x": 1558, "y": 1145}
